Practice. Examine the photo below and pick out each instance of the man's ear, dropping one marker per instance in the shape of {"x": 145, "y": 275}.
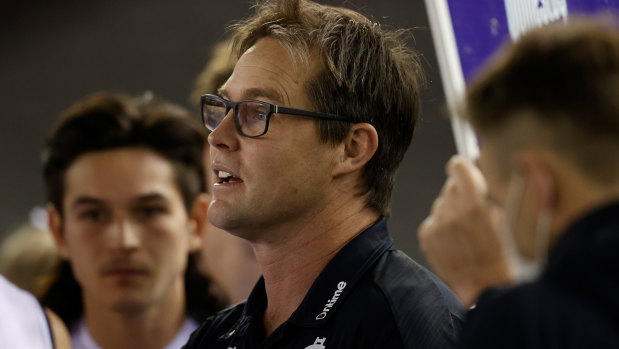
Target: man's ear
{"x": 357, "y": 150}
{"x": 54, "y": 222}
{"x": 539, "y": 176}
{"x": 198, "y": 221}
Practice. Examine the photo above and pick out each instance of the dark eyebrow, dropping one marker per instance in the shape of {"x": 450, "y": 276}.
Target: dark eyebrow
{"x": 150, "y": 197}
{"x": 256, "y": 93}
{"x": 87, "y": 200}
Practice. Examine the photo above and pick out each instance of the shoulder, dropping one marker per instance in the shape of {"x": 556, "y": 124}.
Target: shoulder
{"x": 14, "y": 297}
{"x": 29, "y": 326}
{"x": 497, "y": 318}
{"x": 215, "y": 326}
{"x": 405, "y": 281}
{"x": 423, "y": 312}
{"x": 536, "y": 315}
{"x": 408, "y": 285}
{"x": 60, "y": 333}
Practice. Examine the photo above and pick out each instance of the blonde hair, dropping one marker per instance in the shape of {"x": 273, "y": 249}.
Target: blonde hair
{"x": 28, "y": 258}
{"x": 218, "y": 69}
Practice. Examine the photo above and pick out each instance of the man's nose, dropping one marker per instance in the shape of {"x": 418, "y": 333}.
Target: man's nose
{"x": 225, "y": 137}
{"x": 123, "y": 235}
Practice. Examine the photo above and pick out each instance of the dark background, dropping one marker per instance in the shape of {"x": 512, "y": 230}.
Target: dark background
{"x": 53, "y": 53}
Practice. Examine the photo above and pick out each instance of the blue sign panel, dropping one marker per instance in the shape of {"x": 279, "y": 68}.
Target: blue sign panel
{"x": 481, "y": 27}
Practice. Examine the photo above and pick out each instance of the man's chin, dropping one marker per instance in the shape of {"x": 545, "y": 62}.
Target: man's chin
{"x": 130, "y": 307}
{"x": 221, "y": 218}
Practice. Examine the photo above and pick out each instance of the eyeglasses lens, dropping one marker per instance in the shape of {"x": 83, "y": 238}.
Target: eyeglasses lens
{"x": 214, "y": 112}
{"x": 252, "y": 117}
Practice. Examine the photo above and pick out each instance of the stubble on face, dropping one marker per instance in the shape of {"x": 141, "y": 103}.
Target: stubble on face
{"x": 286, "y": 172}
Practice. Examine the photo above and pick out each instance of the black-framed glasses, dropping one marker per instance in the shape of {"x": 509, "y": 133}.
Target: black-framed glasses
{"x": 251, "y": 117}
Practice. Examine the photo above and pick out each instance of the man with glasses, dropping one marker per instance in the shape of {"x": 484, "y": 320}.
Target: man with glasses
{"x": 306, "y": 137}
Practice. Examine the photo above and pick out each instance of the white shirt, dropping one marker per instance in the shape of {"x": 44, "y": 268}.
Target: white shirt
{"x": 81, "y": 338}
{"x": 23, "y": 323}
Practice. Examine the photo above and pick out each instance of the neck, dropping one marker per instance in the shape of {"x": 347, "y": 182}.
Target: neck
{"x": 579, "y": 206}
{"x": 140, "y": 327}
{"x": 579, "y": 197}
{"x": 291, "y": 265}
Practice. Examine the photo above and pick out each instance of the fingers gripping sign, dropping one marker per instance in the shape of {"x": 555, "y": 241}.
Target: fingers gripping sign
{"x": 459, "y": 237}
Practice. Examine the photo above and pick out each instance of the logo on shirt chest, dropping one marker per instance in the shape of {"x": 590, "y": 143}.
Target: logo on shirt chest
{"x": 318, "y": 343}
{"x": 331, "y": 302}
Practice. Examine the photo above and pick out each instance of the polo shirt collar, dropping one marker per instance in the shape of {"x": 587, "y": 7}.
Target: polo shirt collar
{"x": 253, "y": 310}
{"x": 339, "y": 278}
{"x": 330, "y": 289}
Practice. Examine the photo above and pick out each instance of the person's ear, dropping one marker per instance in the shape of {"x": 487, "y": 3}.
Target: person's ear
{"x": 538, "y": 175}
{"x": 357, "y": 149}
{"x": 198, "y": 221}
{"x": 55, "y": 225}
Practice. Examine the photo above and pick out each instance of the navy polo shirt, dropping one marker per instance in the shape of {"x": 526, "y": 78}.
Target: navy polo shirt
{"x": 368, "y": 296}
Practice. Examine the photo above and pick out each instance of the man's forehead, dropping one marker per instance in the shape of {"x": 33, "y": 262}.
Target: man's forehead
{"x": 120, "y": 174}
{"x": 267, "y": 69}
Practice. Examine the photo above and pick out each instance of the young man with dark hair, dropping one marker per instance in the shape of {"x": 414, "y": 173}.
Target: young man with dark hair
{"x": 548, "y": 113}
{"x": 126, "y": 184}
{"x": 307, "y": 134}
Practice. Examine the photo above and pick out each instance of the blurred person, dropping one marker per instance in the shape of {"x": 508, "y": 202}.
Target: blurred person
{"x": 545, "y": 214}
{"x": 461, "y": 237}
{"x": 229, "y": 259}
{"x": 217, "y": 70}
{"x": 309, "y": 185}
{"x": 126, "y": 187}
{"x": 28, "y": 257}
{"x": 24, "y": 323}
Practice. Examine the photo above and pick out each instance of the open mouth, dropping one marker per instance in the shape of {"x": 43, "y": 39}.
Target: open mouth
{"x": 226, "y": 177}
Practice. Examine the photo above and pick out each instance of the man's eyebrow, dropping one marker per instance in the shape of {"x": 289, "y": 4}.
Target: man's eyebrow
{"x": 269, "y": 93}
{"x": 256, "y": 93}
{"x": 87, "y": 200}
{"x": 150, "y": 197}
